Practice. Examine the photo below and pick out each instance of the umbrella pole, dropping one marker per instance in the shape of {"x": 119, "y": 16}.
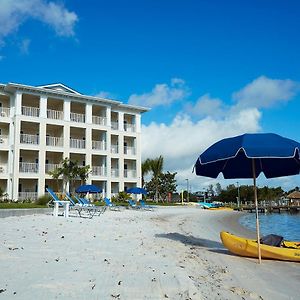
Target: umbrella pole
{"x": 256, "y": 211}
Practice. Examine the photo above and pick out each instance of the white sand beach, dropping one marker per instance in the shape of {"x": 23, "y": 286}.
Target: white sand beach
{"x": 168, "y": 253}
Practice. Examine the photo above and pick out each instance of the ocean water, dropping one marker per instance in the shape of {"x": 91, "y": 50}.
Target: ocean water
{"x": 284, "y": 224}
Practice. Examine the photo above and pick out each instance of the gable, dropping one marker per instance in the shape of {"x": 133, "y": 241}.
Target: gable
{"x": 59, "y": 87}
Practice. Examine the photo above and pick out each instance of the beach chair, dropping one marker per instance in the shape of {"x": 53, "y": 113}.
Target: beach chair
{"x": 58, "y": 202}
{"x": 133, "y": 205}
{"x": 111, "y": 205}
{"x": 89, "y": 206}
{"x": 145, "y": 206}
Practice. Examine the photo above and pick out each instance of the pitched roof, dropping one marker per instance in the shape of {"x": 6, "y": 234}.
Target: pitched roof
{"x": 294, "y": 195}
{"x": 59, "y": 87}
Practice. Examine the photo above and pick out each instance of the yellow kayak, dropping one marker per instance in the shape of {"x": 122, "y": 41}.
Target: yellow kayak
{"x": 288, "y": 251}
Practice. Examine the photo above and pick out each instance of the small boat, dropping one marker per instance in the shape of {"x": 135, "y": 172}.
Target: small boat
{"x": 288, "y": 250}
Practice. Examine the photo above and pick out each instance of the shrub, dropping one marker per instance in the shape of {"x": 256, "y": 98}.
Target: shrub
{"x": 43, "y": 200}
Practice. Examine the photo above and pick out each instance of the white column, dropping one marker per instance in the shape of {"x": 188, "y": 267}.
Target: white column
{"x": 121, "y": 121}
{"x": 42, "y": 159}
{"x": 108, "y": 116}
{"x": 138, "y": 123}
{"x": 67, "y": 109}
{"x": 18, "y": 103}
{"x": 43, "y": 106}
{"x": 66, "y": 141}
{"x": 88, "y": 113}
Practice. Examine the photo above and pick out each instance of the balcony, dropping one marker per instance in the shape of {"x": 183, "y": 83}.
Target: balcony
{"x": 32, "y": 139}
{"x": 3, "y": 140}
{"x": 4, "y": 112}
{"x": 30, "y": 111}
{"x": 78, "y": 118}
{"x": 51, "y": 167}
{"x": 76, "y": 143}
{"x": 99, "y": 120}
{"x": 99, "y": 171}
{"x": 55, "y": 114}
{"x": 28, "y": 167}
{"x": 98, "y": 145}
{"x": 114, "y": 125}
{"x": 114, "y": 172}
{"x": 27, "y": 195}
{"x": 54, "y": 141}
{"x": 129, "y": 127}
{"x": 130, "y": 173}
{"x": 129, "y": 150}
{"x": 114, "y": 149}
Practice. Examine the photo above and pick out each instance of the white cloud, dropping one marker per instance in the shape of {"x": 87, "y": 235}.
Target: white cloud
{"x": 24, "y": 46}
{"x": 264, "y": 92}
{"x": 206, "y": 106}
{"x": 181, "y": 142}
{"x": 162, "y": 94}
{"x": 14, "y": 13}
{"x": 105, "y": 95}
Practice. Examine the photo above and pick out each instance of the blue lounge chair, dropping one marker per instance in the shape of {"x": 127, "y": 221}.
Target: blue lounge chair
{"x": 111, "y": 205}
{"x": 89, "y": 206}
{"x": 55, "y": 199}
{"x": 133, "y": 205}
{"x": 145, "y": 206}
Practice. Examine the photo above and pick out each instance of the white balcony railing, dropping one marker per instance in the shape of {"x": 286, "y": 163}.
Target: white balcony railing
{"x": 54, "y": 141}
{"x": 28, "y": 167}
{"x": 114, "y": 149}
{"x": 129, "y": 127}
{"x": 51, "y": 167}
{"x": 55, "y": 114}
{"x": 129, "y": 150}
{"x": 76, "y": 143}
{"x": 79, "y": 118}
{"x": 30, "y": 111}
{"x": 4, "y": 112}
{"x": 99, "y": 145}
{"x": 32, "y": 139}
{"x": 3, "y": 139}
{"x": 99, "y": 170}
{"x": 114, "y": 172}
{"x": 99, "y": 120}
{"x": 114, "y": 125}
{"x": 130, "y": 173}
{"x": 28, "y": 195}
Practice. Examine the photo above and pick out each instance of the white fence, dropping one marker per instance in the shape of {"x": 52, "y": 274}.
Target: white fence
{"x": 79, "y": 118}
{"x": 28, "y": 167}
{"x": 99, "y": 120}
{"x": 29, "y": 139}
{"x": 30, "y": 111}
{"x": 99, "y": 145}
{"x": 54, "y": 141}
{"x": 76, "y": 143}
{"x": 55, "y": 114}
{"x": 4, "y": 112}
{"x": 99, "y": 170}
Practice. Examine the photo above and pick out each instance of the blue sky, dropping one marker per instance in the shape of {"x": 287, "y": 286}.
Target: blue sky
{"x": 208, "y": 69}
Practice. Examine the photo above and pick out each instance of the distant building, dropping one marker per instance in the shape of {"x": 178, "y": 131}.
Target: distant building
{"x": 40, "y": 126}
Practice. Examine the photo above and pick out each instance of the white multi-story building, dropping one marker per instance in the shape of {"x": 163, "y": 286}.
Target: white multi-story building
{"x": 40, "y": 126}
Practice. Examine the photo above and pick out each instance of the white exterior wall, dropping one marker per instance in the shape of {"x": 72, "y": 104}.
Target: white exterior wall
{"x": 34, "y": 178}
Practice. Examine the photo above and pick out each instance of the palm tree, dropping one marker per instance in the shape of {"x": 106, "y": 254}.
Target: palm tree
{"x": 156, "y": 166}
{"x": 146, "y": 168}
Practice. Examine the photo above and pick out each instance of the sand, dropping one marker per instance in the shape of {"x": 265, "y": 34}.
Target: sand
{"x": 168, "y": 253}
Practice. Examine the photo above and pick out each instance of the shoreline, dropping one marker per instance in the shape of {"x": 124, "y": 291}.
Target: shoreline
{"x": 168, "y": 253}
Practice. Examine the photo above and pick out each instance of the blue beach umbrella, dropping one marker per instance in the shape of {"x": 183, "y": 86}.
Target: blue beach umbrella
{"x": 88, "y": 188}
{"x": 249, "y": 155}
{"x": 136, "y": 190}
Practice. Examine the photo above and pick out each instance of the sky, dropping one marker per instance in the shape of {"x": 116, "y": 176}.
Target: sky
{"x": 208, "y": 69}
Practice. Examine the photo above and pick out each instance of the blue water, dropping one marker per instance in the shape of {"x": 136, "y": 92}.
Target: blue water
{"x": 284, "y": 224}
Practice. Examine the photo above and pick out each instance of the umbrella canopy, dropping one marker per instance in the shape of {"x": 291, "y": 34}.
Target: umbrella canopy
{"x": 88, "y": 188}
{"x": 136, "y": 190}
{"x": 273, "y": 155}
{"x": 247, "y": 156}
